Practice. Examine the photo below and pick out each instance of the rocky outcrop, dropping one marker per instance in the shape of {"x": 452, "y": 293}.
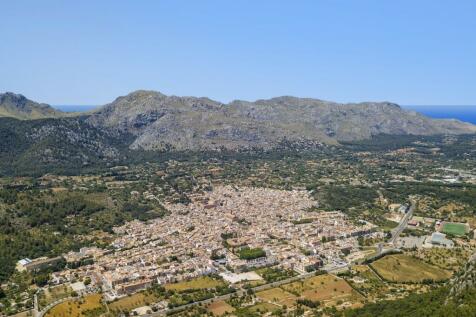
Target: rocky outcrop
{"x": 464, "y": 280}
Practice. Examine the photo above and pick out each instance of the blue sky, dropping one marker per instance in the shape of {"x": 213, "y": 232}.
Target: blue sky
{"x": 89, "y": 52}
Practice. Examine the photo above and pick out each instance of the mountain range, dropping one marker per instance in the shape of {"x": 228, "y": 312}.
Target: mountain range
{"x": 157, "y": 121}
{"x": 34, "y": 135}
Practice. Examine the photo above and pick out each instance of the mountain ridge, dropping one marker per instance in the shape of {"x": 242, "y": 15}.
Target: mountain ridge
{"x": 155, "y": 121}
{"x": 161, "y": 121}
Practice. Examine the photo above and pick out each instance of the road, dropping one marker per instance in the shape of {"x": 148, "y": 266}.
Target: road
{"x": 396, "y": 231}
{"x": 59, "y": 301}
{"x": 403, "y": 223}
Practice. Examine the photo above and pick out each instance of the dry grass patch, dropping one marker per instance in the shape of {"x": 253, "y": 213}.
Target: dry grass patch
{"x": 264, "y": 307}
{"x": 203, "y": 282}
{"x": 134, "y": 301}
{"x": 77, "y": 307}
{"x": 360, "y": 268}
{"x": 220, "y": 308}
{"x": 52, "y": 294}
{"x": 324, "y": 288}
{"x": 404, "y": 268}
{"x": 277, "y": 296}
{"x": 447, "y": 259}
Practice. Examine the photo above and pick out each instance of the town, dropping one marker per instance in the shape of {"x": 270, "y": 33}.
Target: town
{"x": 324, "y": 232}
{"x": 228, "y": 232}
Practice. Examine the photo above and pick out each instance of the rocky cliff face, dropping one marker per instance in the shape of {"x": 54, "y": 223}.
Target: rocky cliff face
{"x": 158, "y": 121}
{"x": 465, "y": 280}
{"x": 17, "y": 106}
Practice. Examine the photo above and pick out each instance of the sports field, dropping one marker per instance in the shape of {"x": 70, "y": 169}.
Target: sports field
{"x": 456, "y": 229}
{"x": 404, "y": 268}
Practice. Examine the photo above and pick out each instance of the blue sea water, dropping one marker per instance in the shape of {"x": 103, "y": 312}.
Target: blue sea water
{"x": 75, "y": 108}
{"x": 463, "y": 113}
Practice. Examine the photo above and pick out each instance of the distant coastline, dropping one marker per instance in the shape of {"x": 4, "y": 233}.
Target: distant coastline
{"x": 463, "y": 113}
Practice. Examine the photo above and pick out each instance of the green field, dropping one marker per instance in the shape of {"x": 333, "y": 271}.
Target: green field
{"x": 456, "y": 229}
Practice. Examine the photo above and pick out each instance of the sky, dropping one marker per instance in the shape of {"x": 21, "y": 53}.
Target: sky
{"x": 90, "y": 52}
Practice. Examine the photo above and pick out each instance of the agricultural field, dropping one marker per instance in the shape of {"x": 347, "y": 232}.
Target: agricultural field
{"x": 264, "y": 307}
{"x": 220, "y": 308}
{"x": 203, "y": 282}
{"x": 131, "y": 302}
{"x": 89, "y": 305}
{"x": 369, "y": 284}
{"x": 327, "y": 289}
{"x": 277, "y": 296}
{"x": 449, "y": 259}
{"x": 405, "y": 268}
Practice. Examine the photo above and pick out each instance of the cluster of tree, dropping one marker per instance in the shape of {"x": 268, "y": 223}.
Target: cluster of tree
{"x": 143, "y": 211}
{"x": 247, "y": 253}
{"x": 274, "y": 274}
{"x": 346, "y": 198}
{"x": 309, "y": 303}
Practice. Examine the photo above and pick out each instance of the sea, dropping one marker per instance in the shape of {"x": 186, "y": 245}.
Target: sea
{"x": 75, "y": 108}
{"x": 463, "y": 113}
